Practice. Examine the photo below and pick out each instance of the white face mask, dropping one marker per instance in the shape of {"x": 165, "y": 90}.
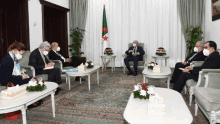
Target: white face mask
{"x": 18, "y": 56}
{"x": 58, "y": 48}
{"x": 206, "y": 52}
{"x": 196, "y": 49}
{"x": 134, "y": 45}
{"x": 45, "y": 52}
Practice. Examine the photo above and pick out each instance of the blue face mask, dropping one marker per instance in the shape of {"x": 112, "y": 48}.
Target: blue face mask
{"x": 18, "y": 65}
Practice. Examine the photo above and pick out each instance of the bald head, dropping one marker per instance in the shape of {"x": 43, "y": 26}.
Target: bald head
{"x": 54, "y": 46}
{"x": 135, "y": 42}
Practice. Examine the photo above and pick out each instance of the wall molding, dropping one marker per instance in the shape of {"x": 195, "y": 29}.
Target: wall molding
{"x": 52, "y": 5}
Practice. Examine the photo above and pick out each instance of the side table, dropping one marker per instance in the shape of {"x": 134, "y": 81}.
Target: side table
{"x": 155, "y": 57}
{"x": 111, "y": 57}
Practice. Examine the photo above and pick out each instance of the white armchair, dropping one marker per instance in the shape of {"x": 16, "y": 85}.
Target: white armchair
{"x": 140, "y": 63}
{"x": 207, "y": 98}
{"x": 191, "y": 84}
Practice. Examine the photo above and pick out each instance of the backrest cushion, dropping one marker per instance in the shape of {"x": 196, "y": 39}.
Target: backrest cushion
{"x": 25, "y": 58}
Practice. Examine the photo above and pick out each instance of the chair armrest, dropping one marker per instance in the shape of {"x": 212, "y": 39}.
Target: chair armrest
{"x": 58, "y": 64}
{"x": 29, "y": 70}
{"x": 210, "y": 70}
{"x": 145, "y": 60}
{"x": 196, "y": 63}
{"x": 124, "y": 55}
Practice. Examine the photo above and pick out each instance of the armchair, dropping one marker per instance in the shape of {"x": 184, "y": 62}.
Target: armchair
{"x": 30, "y": 69}
{"x": 140, "y": 63}
{"x": 191, "y": 84}
{"x": 207, "y": 98}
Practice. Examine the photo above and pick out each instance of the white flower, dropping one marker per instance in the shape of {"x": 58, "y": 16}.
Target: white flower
{"x": 32, "y": 83}
{"x": 143, "y": 93}
{"x": 136, "y": 87}
{"x": 87, "y": 64}
{"x": 152, "y": 64}
{"x": 41, "y": 83}
{"x": 92, "y": 64}
{"x": 149, "y": 64}
{"x": 150, "y": 90}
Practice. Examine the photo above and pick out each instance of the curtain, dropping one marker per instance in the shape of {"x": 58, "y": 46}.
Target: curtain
{"x": 191, "y": 12}
{"x": 153, "y": 22}
{"x": 78, "y": 13}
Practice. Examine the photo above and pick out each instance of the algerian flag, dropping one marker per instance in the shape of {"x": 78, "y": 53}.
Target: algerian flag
{"x": 104, "y": 30}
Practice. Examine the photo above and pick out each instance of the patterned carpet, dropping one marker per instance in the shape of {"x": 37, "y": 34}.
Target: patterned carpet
{"x": 104, "y": 104}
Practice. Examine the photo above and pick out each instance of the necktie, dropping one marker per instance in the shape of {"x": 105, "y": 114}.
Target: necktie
{"x": 43, "y": 59}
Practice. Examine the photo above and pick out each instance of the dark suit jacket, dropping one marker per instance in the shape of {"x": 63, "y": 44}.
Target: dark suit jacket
{"x": 198, "y": 57}
{"x": 211, "y": 62}
{"x": 139, "y": 49}
{"x": 7, "y": 66}
{"x": 37, "y": 61}
{"x": 53, "y": 56}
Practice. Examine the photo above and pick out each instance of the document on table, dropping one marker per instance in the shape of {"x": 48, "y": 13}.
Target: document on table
{"x": 181, "y": 68}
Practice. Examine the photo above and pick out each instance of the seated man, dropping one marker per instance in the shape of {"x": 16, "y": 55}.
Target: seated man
{"x": 135, "y": 54}
{"x": 211, "y": 62}
{"x": 39, "y": 61}
{"x": 196, "y": 56}
{"x": 55, "y": 55}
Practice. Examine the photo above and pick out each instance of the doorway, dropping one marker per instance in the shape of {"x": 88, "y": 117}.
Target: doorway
{"x": 14, "y": 24}
{"x": 55, "y": 25}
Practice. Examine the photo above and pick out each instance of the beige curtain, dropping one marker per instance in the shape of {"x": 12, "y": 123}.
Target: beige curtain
{"x": 191, "y": 12}
{"x": 78, "y": 13}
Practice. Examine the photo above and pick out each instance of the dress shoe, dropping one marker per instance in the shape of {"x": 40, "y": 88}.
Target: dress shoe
{"x": 135, "y": 74}
{"x": 130, "y": 73}
{"x": 58, "y": 90}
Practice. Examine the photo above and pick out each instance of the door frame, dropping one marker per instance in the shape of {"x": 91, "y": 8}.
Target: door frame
{"x": 64, "y": 20}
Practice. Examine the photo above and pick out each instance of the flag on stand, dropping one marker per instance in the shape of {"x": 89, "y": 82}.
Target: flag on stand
{"x": 104, "y": 30}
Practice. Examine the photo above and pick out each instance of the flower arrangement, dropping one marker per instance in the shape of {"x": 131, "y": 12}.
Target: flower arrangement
{"x": 140, "y": 91}
{"x": 36, "y": 84}
{"x": 89, "y": 64}
{"x": 160, "y": 51}
{"x": 151, "y": 65}
{"x": 108, "y": 51}
{"x": 143, "y": 91}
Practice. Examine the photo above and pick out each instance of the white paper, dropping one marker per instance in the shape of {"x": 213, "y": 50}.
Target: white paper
{"x": 181, "y": 68}
{"x": 49, "y": 68}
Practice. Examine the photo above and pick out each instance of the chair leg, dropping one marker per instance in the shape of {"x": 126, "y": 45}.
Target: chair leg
{"x": 185, "y": 89}
{"x": 196, "y": 109}
{"x": 212, "y": 119}
{"x": 190, "y": 99}
{"x": 66, "y": 79}
{"x": 124, "y": 68}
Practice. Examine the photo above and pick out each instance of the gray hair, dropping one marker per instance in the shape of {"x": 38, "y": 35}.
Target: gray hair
{"x": 45, "y": 44}
{"x": 201, "y": 44}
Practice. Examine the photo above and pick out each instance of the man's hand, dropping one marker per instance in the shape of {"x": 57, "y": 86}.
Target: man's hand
{"x": 24, "y": 77}
{"x": 184, "y": 63}
{"x": 131, "y": 51}
{"x": 189, "y": 67}
{"x": 49, "y": 64}
{"x": 67, "y": 60}
{"x": 135, "y": 54}
{"x": 185, "y": 70}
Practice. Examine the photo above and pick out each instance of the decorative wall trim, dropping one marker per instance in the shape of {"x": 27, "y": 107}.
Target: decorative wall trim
{"x": 52, "y": 5}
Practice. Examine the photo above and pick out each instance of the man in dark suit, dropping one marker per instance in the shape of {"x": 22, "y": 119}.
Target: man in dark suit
{"x": 211, "y": 62}
{"x": 135, "y": 54}
{"x": 54, "y": 54}
{"x": 196, "y": 56}
{"x": 39, "y": 61}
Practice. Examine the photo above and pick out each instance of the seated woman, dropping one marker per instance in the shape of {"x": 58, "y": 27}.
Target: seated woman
{"x": 10, "y": 68}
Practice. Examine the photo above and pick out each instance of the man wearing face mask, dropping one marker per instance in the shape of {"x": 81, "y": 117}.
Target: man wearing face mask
{"x": 211, "y": 62}
{"x": 10, "y": 68}
{"x": 196, "y": 56}
{"x": 134, "y": 54}
{"x": 39, "y": 61}
{"x": 54, "y": 54}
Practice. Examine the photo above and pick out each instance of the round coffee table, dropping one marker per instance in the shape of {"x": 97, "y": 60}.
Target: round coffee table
{"x": 165, "y": 73}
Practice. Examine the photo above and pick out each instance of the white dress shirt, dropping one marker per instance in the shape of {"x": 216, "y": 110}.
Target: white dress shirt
{"x": 16, "y": 71}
